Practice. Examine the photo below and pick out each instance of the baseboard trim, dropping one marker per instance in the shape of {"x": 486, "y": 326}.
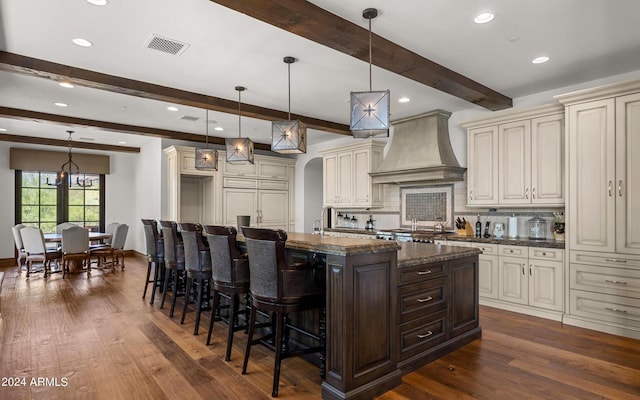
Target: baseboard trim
{"x": 536, "y": 312}
{"x": 602, "y": 326}
{"x": 7, "y": 262}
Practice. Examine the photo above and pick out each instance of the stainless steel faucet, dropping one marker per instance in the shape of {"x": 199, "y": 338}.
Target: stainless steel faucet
{"x": 324, "y": 209}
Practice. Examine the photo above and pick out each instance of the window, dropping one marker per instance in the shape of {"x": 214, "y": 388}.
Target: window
{"x": 43, "y": 205}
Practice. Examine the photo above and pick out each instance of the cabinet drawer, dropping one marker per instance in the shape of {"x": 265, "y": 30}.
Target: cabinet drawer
{"x": 239, "y": 183}
{"x": 423, "y": 298}
{"x": 604, "y": 259}
{"x": 608, "y": 280}
{"x": 513, "y": 251}
{"x": 273, "y": 185}
{"x": 545, "y": 253}
{"x": 420, "y": 273}
{"x": 488, "y": 249}
{"x": 240, "y": 169}
{"x": 422, "y": 334}
{"x": 616, "y": 309}
{"x": 273, "y": 170}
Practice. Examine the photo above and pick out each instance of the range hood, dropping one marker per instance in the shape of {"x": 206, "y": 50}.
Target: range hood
{"x": 420, "y": 152}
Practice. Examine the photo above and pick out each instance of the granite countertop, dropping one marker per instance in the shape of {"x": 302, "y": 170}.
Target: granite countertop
{"x": 509, "y": 241}
{"x": 413, "y": 253}
{"x": 359, "y": 231}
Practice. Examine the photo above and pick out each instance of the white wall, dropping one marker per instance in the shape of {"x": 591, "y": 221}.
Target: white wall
{"x": 7, "y": 202}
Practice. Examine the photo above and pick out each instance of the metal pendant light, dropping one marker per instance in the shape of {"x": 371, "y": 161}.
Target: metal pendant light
{"x": 68, "y": 169}
{"x": 289, "y": 137}
{"x": 370, "y": 110}
{"x": 206, "y": 159}
{"x": 239, "y": 149}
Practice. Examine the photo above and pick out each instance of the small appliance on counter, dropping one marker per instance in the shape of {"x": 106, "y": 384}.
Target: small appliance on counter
{"x": 537, "y": 228}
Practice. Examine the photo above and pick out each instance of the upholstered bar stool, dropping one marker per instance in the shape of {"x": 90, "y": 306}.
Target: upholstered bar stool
{"x": 230, "y": 277}
{"x": 198, "y": 266}
{"x": 155, "y": 256}
{"x": 280, "y": 288}
{"x": 173, "y": 263}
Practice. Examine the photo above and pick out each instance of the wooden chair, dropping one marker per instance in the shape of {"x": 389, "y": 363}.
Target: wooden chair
{"x": 64, "y": 225}
{"x": 230, "y": 277}
{"x": 198, "y": 266}
{"x": 174, "y": 263}
{"x": 155, "y": 256}
{"x": 75, "y": 248}
{"x": 36, "y": 249}
{"x": 17, "y": 239}
{"x": 115, "y": 249}
{"x": 279, "y": 288}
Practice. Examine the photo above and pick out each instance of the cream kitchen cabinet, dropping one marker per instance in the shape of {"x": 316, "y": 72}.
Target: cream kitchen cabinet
{"x": 267, "y": 208}
{"x": 346, "y": 180}
{"x": 517, "y": 159}
{"x": 603, "y": 215}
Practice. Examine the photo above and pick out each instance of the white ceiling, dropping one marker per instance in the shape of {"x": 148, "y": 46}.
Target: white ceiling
{"x": 585, "y": 40}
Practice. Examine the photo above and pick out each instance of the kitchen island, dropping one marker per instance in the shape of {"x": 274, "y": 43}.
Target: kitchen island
{"x": 390, "y": 308}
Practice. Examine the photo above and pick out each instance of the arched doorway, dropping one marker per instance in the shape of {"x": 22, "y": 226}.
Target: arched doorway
{"x": 312, "y": 192}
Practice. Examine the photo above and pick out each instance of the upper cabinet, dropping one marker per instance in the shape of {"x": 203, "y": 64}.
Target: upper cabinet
{"x": 517, "y": 159}
{"x": 346, "y": 180}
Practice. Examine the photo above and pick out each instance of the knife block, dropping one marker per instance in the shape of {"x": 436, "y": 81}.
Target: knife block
{"x": 467, "y": 231}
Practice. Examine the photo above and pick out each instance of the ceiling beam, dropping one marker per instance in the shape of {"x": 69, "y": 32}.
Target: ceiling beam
{"x": 17, "y": 63}
{"x": 26, "y": 115}
{"x": 65, "y": 143}
{"x": 319, "y": 25}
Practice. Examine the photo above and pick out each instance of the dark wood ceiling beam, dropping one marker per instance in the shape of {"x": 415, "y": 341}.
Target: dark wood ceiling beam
{"x": 59, "y": 72}
{"x": 26, "y": 115}
{"x": 314, "y": 23}
{"x": 64, "y": 143}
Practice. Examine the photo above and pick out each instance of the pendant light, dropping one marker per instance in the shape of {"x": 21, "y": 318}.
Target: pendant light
{"x": 206, "y": 159}
{"x": 289, "y": 137}
{"x": 68, "y": 169}
{"x": 370, "y": 110}
{"x": 239, "y": 149}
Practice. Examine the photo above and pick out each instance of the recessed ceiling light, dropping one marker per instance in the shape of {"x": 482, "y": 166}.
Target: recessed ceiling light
{"x": 404, "y": 100}
{"x": 82, "y": 42}
{"x": 540, "y": 60}
{"x": 172, "y": 108}
{"x": 67, "y": 85}
{"x": 3, "y": 130}
{"x": 514, "y": 38}
{"x": 60, "y": 104}
{"x": 122, "y": 142}
{"x": 98, "y": 2}
{"x": 218, "y": 128}
{"x": 483, "y": 18}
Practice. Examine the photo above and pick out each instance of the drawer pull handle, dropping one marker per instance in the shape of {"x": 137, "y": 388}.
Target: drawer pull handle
{"x": 511, "y": 251}
{"x": 424, "y": 272}
{"x": 426, "y": 335}
{"x": 544, "y": 253}
{"x": 616, "y": 282}
{"x": 616, "y": 310}
{"x": 615, "y": 260}
{"x": 425, "y": 300}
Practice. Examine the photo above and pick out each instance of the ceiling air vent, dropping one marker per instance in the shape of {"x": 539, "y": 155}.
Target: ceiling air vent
{"x": 189, "y": 118}
{"x": 166, "y": 45}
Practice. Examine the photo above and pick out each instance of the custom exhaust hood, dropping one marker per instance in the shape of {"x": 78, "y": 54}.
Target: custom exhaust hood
{"x": 420, "y": 152}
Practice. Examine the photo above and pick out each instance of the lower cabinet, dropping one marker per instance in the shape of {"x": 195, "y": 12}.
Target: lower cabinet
{"x": 437, "y": 306}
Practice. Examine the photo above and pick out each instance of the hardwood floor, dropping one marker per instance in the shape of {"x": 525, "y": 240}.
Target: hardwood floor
{"x": 95, "y": 338}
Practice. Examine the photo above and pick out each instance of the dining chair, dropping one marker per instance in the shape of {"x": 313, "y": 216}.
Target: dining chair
{"x": 111, "y": 229}
{"x": 113, "y": 250}
{"x": 36, "y": 249}
{"x": 17, "y": 239}
{"x": 278, "y": 287}
{"x": 230, "y": 277}
{"x": 64, "y": 225}
{"x": 75, "y": 248}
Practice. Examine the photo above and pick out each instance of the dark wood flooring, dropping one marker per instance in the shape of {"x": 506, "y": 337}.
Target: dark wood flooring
{"x": 95, "y": 338}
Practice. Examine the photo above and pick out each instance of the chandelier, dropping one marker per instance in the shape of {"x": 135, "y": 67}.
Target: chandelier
{"x": 68, "y": 170}
{"x": 206, "y": 159}
{"x": 289, "y": 137}
{"x": 239, "y": 149}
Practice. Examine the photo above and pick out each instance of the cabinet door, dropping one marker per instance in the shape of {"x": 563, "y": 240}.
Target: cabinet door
{"x": 330, "y": 180}
{"x": 482, "y": 169}
{"x": 345, "y": 179}
{"x": 592, "y": 176}
{"x": 514, "y": 169}
{"x": 488, "y": 276}
{"x": 545, "y": 284}
{"x": 513, "y": 284}
{"x": 361, "y": 178}
{"x": 547, "y": 160}
{"x": 273, "y": 206}
{"x": 239, "y": 202}
{"x": 628, "y": 174}
{"x": 464, "y": 295}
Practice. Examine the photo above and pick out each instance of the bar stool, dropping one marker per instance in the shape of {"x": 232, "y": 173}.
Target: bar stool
{"x": 155, "y": 256}
{"x": 280, "y": 288}
{"x": 230, "y": 277}
{"x": 173, "y": 263}
{"x": 198, "y": 268}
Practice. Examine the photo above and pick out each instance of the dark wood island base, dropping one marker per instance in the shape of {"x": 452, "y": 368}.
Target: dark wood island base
{"x": 391, "y": 308}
